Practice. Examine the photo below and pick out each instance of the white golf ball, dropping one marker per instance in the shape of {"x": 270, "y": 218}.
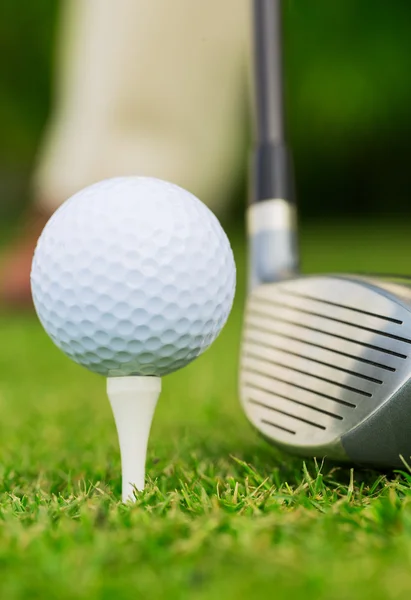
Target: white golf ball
{"x": 133, "y": 276}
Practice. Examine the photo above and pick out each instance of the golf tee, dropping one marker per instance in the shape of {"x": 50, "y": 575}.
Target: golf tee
{"x": 133, "y": 401}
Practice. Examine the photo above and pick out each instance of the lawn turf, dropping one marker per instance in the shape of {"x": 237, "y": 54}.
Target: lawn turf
{"x": 224, "y": 515}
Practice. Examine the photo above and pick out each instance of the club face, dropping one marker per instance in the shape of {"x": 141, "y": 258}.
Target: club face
{"x": 321, "y": 357}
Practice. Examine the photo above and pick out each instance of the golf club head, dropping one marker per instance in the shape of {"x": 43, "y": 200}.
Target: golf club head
{"x": 326, "y": 367}
{"x": 325, "y": 361}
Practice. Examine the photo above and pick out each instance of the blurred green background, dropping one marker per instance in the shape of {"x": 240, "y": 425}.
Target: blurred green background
{"x": 27, "y": 39}
{"x": 348, "y": 99}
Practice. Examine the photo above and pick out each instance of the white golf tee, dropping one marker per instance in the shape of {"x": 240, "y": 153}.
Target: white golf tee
{"x": 133, "y": 401}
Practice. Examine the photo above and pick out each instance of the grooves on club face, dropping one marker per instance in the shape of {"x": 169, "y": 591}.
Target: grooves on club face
{"x": 326, "y": 364}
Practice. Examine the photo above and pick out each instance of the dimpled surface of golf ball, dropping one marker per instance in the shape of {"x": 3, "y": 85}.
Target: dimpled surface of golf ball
{"x": 133, "y": 276}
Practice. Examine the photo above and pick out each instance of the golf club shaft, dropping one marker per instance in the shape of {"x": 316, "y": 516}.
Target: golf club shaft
{"x": 272, "y": 213}
{"x": 268, "y": 71}
{"x": 273, "y": 176}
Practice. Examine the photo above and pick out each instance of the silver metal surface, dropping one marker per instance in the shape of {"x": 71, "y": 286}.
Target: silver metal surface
{"x": 320, "y": 356}
{"x": 272, "y": 233}
{"x": 271, "y": 215}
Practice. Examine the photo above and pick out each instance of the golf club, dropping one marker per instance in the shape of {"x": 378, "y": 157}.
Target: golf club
{"x": 325, "y": 361}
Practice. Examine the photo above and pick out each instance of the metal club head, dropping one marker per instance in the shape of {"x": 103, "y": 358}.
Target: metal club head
{"x": 326, "y": 360}
{"x": 326, "y": 367}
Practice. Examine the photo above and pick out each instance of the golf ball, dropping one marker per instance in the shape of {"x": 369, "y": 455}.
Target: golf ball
{"x": 133, "y": 276}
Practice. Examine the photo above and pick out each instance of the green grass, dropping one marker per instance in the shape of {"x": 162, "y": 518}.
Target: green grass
{"x": 224, "y": 515}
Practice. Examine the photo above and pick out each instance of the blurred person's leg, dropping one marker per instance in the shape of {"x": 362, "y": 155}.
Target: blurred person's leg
{"x": 148, "y": 87}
